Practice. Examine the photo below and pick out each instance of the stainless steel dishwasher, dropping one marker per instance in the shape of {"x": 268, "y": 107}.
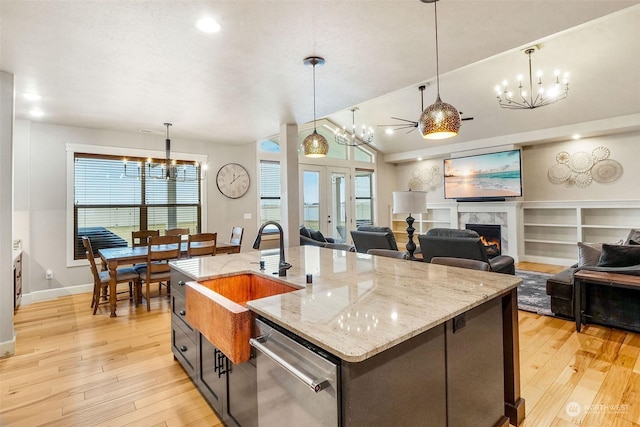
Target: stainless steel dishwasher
{"x": 297, "y": 382}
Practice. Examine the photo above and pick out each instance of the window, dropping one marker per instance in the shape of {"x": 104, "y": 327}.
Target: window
{"x": 363, "y": 154}
{"x": 109, "y": 204}
{"x": 364, "y": 197}
{"x": 270, "y": 203}
{"x": 271, "y": 145}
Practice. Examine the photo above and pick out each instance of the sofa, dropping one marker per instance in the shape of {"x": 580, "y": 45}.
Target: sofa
{"x": 449, "y": 242}
{"x": 373, "y": 237}
{"x": 605, "y": 304}
{"x": 311, "y": 237}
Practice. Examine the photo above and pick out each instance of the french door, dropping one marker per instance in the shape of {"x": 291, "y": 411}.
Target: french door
{"x": 326, "y": 200}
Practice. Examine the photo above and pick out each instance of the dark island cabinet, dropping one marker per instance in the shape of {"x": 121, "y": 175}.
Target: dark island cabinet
{"x": 228, "y": 388}
{"x": 184, "y": 338}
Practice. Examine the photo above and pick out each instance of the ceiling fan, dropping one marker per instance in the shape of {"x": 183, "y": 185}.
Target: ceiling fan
{"x": 413, "y": 124}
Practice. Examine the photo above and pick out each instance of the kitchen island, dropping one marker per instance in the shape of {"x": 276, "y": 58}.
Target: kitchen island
{"x": 414, "y": 341}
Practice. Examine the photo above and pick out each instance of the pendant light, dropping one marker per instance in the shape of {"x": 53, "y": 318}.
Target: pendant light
{"x": 315, "y": 145}
{"x": 439, "y": 120}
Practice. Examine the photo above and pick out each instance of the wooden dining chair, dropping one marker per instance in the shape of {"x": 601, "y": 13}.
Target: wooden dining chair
{"x": 141, "y": 237}
{"x": 161, "y": 249}
{"x": 236, "y": 235}
{"x": 201, "y": 244}
{"x": 101, "y": 279}
{"x": 176, "y": 232}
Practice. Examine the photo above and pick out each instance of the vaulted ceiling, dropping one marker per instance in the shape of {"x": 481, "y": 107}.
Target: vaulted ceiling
{"x": 131, "y": 65}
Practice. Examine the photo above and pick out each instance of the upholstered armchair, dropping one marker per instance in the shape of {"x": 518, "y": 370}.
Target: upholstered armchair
{"x": 373, "y": 237}
{"x": 447, "y": 242}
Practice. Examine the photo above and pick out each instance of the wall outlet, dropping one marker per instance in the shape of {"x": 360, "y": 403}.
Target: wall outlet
{"x": 48, "y": 274}
{"x": 247, "y": 216}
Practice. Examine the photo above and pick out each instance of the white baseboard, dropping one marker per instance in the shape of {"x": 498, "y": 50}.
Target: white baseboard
{"x": 8, "y": 348}
{"x": 50, "y": 294}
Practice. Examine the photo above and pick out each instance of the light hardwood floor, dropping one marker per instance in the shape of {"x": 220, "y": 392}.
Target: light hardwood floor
{"x": 75, "y": 369}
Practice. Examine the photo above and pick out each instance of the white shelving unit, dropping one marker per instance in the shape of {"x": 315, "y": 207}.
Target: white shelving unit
{"x": 435, "y": 217}
{"x": 553, "y": 229}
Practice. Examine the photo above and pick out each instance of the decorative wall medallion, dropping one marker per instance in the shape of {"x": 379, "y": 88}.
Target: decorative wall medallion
{"x": 559, "y": 173}
{"x": 606, "y": 171}
{"x": 427, "y": 179}
{"x": 562, "y": 157}
{"x": 415, "y": 184}
{"x": 581, "y": 161}
{"x": 583, "y": 179}
{"x": 581, "y": 169}
{"x": 600, "y": 153}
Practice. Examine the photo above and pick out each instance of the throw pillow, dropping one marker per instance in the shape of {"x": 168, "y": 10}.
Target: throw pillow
{"x": 316, "y": 235}
{"x": 304, "y": 231}
{"x": 619, "y": 256}
{"x": 634, "y": 242}
{"x": 633, "y": 235}
{"x": 588, "y": 254}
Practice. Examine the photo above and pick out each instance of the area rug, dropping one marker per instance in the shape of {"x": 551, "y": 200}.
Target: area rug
{"x": 532, "y": 294}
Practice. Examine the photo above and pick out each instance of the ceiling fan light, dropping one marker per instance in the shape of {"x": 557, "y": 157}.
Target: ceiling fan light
{"x": 315, "y": 145}
{"x": 439, "y": 121}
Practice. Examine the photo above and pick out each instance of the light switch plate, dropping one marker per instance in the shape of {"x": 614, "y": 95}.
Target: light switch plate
{"x": 247, "y": 216}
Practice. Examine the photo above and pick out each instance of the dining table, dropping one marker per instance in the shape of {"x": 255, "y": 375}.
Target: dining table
{"x": 117, "y": 256}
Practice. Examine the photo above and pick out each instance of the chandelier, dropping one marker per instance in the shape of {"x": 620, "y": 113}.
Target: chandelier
{"x": 439, "y": 120}
{"x": 314, "y": 145}
{"x": 353, "y": 138}
{"x": 170, "y": 170}
{"x": 525, "y": 99}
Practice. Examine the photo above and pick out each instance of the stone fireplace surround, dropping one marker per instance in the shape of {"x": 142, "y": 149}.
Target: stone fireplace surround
{"x": 506, "y": 214}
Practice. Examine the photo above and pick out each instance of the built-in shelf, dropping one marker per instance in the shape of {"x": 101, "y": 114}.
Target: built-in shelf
{"x": 435, "y": 217}
{"x": 553, "y": 229}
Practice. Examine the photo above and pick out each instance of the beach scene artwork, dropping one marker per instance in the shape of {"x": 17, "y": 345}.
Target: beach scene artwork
{"x": 484, "y": 175}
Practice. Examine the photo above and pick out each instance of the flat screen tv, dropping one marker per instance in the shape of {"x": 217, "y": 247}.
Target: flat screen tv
{"x": 483, "y": 177}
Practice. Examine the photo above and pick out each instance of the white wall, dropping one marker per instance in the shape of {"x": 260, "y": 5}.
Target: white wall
{"x": 624, "y": 148}
{"x": 40, "y": 187}
{"x": 7, "y": 336}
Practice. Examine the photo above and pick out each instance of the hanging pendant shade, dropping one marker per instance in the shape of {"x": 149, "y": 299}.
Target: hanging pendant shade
{"x": 439, "y": 121}
{"x": 315, "y": 145}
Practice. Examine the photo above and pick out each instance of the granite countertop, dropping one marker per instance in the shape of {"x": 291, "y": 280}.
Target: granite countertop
{"x": 358, "y": 305}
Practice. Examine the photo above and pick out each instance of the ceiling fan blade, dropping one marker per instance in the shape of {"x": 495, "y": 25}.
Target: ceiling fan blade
{"x": 404, "y": 120}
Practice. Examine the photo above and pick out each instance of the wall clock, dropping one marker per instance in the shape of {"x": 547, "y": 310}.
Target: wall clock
{"x": 233, "y": 180}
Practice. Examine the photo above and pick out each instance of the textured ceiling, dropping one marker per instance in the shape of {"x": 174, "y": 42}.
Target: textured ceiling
{"x": 131, "y": 65}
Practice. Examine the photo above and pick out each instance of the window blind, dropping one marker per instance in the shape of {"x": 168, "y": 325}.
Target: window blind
{"x": 111, "y": 201}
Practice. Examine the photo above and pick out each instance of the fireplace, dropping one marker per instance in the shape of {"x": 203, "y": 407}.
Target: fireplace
{"x": 491, "y": 237}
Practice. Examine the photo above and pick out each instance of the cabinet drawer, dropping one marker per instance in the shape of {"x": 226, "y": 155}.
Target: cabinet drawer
{"x": 178, "y": 307}
{"x": 178, "y": 281}
{"x": 184, "y": 348}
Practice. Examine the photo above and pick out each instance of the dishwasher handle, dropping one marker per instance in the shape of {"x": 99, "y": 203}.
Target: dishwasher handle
{"x": 316, "y": 384}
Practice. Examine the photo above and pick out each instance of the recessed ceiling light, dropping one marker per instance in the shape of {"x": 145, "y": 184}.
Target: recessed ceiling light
{"x": 36, "y": 113}
{"x": 208, "y": 25}
{"x": 576, "y": 136}
{"x": 388, "y": 131}
{"x": 31, "y": 96}
{"x": 419, "y": 159}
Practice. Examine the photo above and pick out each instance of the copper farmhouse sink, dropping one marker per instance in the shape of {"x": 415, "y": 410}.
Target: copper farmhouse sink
{"x": 217, "y": 308}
